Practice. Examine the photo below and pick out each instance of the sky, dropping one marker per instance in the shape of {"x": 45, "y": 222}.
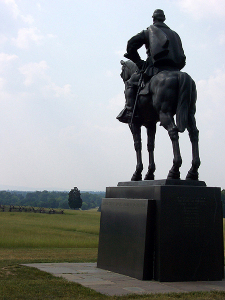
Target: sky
{"x": 60, "y": 91}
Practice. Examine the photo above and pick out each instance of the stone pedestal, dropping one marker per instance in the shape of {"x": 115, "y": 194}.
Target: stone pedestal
{"x": 166, "y": 230}
{"x": 126, "y": 240}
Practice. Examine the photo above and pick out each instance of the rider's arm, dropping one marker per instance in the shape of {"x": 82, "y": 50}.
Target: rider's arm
{"x": 133, "y": 45}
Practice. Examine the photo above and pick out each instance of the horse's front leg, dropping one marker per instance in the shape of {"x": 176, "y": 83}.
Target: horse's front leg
{"x": 193, "y": 134}
{"x": 151, "y": 130}
{"x": 136, "y": 132}
{"x": 167, "y": 122}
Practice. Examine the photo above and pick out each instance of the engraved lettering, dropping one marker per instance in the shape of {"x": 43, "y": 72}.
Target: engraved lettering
{"x": 191, "y": 208}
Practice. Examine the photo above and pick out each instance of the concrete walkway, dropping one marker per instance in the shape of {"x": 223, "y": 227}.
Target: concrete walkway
{"x": 109, "y": 283}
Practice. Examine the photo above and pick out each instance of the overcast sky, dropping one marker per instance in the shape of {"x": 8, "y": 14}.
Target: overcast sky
{"x": 60, "y": 91}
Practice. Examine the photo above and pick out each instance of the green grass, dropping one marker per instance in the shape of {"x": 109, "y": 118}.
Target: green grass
{"x": 74, "y": 229}
{"x": 71, "y": 237}
{"x": 19, "y": 282}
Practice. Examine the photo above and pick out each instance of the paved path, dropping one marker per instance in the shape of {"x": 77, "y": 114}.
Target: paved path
{"x": 109, "y": 283}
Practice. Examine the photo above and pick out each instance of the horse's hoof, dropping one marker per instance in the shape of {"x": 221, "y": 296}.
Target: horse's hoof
{"x": 173, "y": 175}
{"x": 192, "y": 176}
{"x": 149, "y": 176}
{"x": 136, "y": 176}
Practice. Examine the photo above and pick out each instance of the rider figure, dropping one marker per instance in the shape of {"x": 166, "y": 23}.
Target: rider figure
{"x": 164, "y": 52}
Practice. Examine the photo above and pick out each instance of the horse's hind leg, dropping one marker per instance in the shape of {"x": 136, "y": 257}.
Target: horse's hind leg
{"x": 193, "y": 134}
{"x": 136, "y": 132}
{"x": 151, "y": 130}
{"x": 167, "y": 122}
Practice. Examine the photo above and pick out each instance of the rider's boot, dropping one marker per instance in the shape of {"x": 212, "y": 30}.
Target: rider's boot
{"x": 126, "y": 114}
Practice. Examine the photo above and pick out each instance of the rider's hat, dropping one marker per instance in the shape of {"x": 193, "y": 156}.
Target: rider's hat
{"x": 159, "y": 15}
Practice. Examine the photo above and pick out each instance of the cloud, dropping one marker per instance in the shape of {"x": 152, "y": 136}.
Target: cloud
{"x": 2, "y": 82}
{"x": 3, "y": 39}
{"x": 211, "y": 105}
{"x": 5, "y": 59}
{"x": 26, "y": 36}
{"x": 211, "y": 123}
{"x": 36, "y": 76}
{"x": 222, "y": 39}
{"x": 32, "y": 71}
{"x": 213, "y": 88}
{"x": 59, "y": 91}
{"x": 51, "y": 36}
{"x": 39, "y": 6}
{"x": 17, "y": 13}
{"x": 203, "y": 9}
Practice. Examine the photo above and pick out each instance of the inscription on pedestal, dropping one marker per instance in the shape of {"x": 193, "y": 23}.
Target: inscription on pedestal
{"x": 191, "y": 208}
{"x": 189, "y": 244}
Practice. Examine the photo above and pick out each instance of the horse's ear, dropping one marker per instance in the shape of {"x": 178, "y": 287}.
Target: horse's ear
{"x": 122, "y": 62}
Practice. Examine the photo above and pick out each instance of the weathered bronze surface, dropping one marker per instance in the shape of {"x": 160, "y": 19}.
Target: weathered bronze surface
{"x": 155, "y": 91}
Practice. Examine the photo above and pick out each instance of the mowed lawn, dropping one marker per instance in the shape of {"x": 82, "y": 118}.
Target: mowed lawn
{"x": 49, "y": 237}
{"x": 73, "y": 229}
{"x": 70, "y": 237}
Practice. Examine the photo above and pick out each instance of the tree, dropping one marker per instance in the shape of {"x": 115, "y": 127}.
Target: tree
{"x": 75, "y": 200}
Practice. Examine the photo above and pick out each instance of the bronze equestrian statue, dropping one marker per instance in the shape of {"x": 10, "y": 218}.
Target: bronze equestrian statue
{"x": 155, "y": 91}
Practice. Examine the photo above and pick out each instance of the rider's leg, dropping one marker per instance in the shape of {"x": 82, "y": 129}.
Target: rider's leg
{"x": 131, "y": 87}
{"x": 130, "y": 95}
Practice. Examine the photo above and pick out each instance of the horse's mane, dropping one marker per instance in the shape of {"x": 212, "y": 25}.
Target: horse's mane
{"x": 131, "y": 66}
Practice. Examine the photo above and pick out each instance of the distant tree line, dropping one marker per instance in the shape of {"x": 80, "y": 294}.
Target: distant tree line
{"x": 56, "y": 199}
{"x": 47, "y": 199}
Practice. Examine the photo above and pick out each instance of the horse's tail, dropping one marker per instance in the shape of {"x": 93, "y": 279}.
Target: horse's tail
{"x": 184, "y": 100}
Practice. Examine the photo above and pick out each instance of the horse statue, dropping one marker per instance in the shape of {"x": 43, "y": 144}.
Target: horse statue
{"x": 169, "y": 93}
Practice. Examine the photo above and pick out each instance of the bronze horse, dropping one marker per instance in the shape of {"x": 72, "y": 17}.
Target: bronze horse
{"x": 168, "y": 93}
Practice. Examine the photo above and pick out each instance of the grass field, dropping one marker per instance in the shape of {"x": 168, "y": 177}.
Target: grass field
{"x": 74, "y": 229}
{"x": 70, "y": 237}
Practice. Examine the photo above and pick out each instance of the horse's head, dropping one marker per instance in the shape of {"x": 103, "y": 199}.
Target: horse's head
{"x": 128, "y": 68}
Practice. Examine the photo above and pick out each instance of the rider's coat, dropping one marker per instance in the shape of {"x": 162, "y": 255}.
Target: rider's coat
{"x": 163, "y": 47}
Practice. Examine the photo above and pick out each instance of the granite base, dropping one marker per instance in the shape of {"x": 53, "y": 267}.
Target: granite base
{"x": 162, "y": 231}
